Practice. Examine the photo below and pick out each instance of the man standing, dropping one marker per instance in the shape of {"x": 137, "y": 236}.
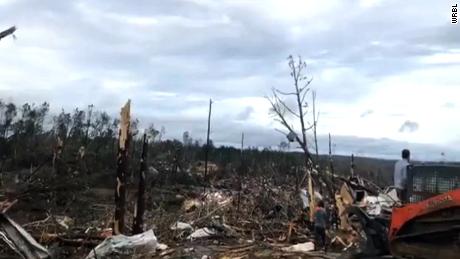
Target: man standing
{"x": 320, "y": 224}
{"x": 400, "y": 174}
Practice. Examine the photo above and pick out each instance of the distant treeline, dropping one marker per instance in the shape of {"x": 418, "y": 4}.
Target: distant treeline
{"x": 85, "y": 140}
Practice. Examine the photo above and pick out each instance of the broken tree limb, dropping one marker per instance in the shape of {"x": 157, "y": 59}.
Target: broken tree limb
{"x": 209, "y": 214}
{"x": 76, "y": 241}
{"x": 7, "y": 32}
{"x": 122, "y": 165}
{"x": 140, "y": 206}
{"x": 19, "y": 240}
{"x": 38, "y": 222}
{"x": 6, "y": 205}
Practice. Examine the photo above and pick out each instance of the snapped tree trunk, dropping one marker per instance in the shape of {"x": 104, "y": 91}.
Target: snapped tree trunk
{"x": 206, "y": 154}
{"x": 57, "y": 151}
{"x": 122, "y": 165}
{"x": 88, "y": 124}
{"x": 140, "y": 206}
{"x": 352, "y": 166}
{"x": 315, "y": 121}
{"x": 240, "y": 174}
{"x": 331, "y": 167}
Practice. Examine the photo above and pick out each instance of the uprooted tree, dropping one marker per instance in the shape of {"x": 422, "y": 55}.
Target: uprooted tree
{"x": 283, "y": 114}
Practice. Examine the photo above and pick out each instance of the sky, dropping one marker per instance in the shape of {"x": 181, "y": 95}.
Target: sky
{"x": 385, "y": 72}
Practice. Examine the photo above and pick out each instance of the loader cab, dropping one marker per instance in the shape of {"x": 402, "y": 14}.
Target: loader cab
{"x": 428, "y": 180}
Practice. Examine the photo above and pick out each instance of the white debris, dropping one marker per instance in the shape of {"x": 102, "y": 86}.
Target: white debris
{"x": 302, "y": 247}
{"x": 143, "y": 243}
{"x": 388, "y": 201}
{"x": 384, "y": 202}
{"x": 390, "y": 195}
{"x": 218, "y": 197}
{"x": 306, "y": 199}
{"x": 162, "y": 247}
{"x": 191, "y": 205}
{"x": 181, "y": 226}
{"x": 372, "y": 205}
{"x": 201, "y": 233}
{"x": 64, "y": 221}
{"x": 189, "y": 250}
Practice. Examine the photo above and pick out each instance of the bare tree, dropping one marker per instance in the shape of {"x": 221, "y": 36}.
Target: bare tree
{"x": 281, "y": 110}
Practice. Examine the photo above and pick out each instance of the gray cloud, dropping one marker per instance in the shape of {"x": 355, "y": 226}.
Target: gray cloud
{"x": 196, "y": 45}
{"x": 409, "y": 126}
{"x": 244, "y": 115}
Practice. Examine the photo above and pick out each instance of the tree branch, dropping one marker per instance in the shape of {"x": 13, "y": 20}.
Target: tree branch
{"x": 284, "y": 93}
{"x": 283, "y": 122}
{"x": 307, "y": 84}
{"x": 280, "y": 131}
{"x": 305, "y": 113}
{"x": 279, "y": 101}
{"x": 304, "y": 94}
{"x": 7, "y": 32}
{"x": 289, "y": 110}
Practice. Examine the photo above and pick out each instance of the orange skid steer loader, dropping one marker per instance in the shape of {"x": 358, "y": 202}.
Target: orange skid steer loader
{"x": 426, "y": 226}
{"x": 429, "y": 227}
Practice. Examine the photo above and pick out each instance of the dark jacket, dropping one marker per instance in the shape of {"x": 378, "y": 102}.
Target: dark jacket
{"x": 320, "y": 218}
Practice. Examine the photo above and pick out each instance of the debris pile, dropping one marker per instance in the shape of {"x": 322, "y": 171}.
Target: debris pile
{"x": 363, "y": 207}
{"x": 261, "y": 217}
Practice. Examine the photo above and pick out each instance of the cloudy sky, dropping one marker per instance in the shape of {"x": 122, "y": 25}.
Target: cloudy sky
{"x": 385, "y": 72}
